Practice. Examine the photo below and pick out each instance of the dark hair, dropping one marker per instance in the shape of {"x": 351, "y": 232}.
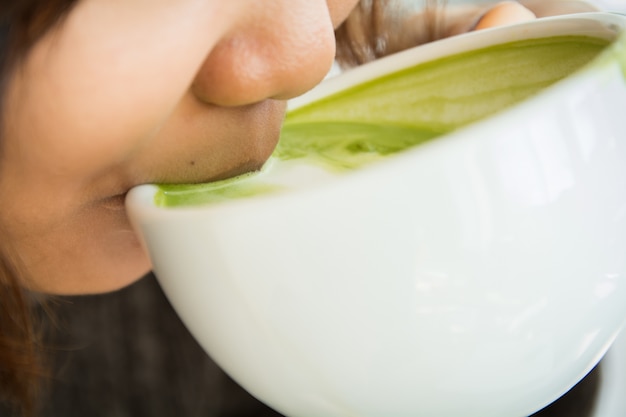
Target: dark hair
{"x": 22, "y": 22}
{"x": 20, "y": 367}
{"x": 367, "y": 34}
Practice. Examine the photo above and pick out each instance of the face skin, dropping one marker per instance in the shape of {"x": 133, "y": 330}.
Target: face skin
{"x": 126, "y": 92}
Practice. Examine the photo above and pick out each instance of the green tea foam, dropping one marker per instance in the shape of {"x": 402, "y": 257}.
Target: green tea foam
{"x": 369, "y": 122}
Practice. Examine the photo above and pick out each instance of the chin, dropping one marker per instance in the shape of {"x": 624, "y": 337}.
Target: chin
{"x": 126, "y": 264}
{"x": 120, "y": 275}
{"x": 99, "y": 284}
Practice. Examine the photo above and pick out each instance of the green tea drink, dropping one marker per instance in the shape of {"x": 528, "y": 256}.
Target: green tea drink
{"x": 371, "y": 121}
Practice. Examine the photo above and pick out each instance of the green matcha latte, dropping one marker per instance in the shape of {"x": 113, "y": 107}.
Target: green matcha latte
{"x": 368, "y": 122}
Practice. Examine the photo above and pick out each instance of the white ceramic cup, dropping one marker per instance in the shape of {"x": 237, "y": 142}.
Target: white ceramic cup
{"x": 481, "y": 274}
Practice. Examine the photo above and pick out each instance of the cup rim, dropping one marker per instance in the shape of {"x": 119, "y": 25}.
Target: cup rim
{"x": 615, "y": 27}
{"x": 610, "y": 25}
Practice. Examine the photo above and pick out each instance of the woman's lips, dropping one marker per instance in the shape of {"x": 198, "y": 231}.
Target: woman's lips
{"x": 202, "y": 143}
{"x": 242, "y": 142}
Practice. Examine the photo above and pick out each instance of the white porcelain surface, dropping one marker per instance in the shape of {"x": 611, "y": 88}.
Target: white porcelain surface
{"x": 610, "y": 400}
{"x": 481, "y": 274}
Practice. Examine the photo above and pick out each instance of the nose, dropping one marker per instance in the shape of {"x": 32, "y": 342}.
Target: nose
{"x": 278, "y": 49}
